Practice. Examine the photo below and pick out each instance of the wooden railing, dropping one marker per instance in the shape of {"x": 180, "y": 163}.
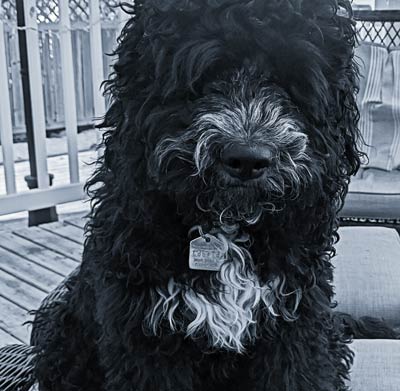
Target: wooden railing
{"x": 49, "y": 24}
{"x": 6, "y": 135}
{"x": 381, "y": 26}
{"x": 45, "y": 196}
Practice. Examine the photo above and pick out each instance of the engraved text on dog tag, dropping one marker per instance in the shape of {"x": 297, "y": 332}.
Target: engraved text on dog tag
{"x": 206, "y": 253}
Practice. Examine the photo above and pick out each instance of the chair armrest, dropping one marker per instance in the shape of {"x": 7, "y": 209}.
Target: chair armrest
{"x": 372, "y": 205}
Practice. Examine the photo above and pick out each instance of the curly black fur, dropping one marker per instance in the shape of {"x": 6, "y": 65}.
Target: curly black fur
{"x": 179, "y": 60}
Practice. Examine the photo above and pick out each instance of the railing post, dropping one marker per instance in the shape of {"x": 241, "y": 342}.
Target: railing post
{"x": 96, "y": 55}
{"x": 33, "y": 108}
{"x": 67, "y": 73}
{"x": 6, "y": 133}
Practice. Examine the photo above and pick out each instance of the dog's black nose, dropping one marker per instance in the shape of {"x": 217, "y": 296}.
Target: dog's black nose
{"x": 246, "y": 162}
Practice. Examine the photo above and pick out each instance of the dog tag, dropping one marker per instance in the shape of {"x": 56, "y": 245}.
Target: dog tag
{"x": 206, "y": 253}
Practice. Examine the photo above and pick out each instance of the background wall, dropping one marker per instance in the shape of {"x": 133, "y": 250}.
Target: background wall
{"x": 378, "y": 4}
{"x": 387, "y": 4}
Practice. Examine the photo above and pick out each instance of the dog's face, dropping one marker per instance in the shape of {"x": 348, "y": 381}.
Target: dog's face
{"x": 246, "y": 150}
{"x": 235, "y": 108}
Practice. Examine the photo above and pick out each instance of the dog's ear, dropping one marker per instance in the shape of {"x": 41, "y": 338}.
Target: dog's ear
{"x": 345, "y": 91}
{"x": 343, "y": 76}
{"x": 341, "y": 138}
{"x": 325, "y": 81}
{"x": 315, "y": 64}
{"x": 123, "y": 150}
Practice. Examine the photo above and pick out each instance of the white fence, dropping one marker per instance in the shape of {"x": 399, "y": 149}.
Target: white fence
{"x": 45, "y": 196}
{"x": 48, "y": 17}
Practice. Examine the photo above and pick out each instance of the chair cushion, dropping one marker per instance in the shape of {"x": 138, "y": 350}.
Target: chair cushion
{"x": 376, "y": 365}
{"x": 375, "y": 181}
{"x": 367, "y": 272}
{"x": 374, "y": 193}
{"x": 379, "y": 104}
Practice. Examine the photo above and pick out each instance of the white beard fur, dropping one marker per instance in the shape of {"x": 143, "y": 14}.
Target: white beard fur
{"x": 229, "y": 322}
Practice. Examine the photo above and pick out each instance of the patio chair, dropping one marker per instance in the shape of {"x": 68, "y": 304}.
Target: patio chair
{"x": 374, "y": 193}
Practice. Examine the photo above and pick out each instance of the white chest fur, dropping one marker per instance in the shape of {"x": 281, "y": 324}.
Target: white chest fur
{"x": 230, "y": 321}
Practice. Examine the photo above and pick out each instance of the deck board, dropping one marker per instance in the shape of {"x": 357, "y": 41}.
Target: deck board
{"x": 77, "y": 222}
{"x": 53, "y": 242}
{"x": 37, "y": 253}
{"x": 66, "y": 231}
{"x": 32, "y": 273}
{"x": 19, "y": 292}
{"x": 7, "y": 339}
{"x": 33, "y": 261}
{"x": 13, "y": 323}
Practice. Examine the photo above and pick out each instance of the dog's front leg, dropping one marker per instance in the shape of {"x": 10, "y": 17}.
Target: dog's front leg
{"x": 144, "y": 367}
{"x": 308, "y": 354}
{"x": 133, "y": 361}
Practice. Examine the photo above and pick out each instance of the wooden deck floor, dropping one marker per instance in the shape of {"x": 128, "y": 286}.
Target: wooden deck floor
{"x": 33, "y": 261}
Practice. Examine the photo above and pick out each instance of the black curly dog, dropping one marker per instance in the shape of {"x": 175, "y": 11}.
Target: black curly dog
{"x": 229, "y": 144}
